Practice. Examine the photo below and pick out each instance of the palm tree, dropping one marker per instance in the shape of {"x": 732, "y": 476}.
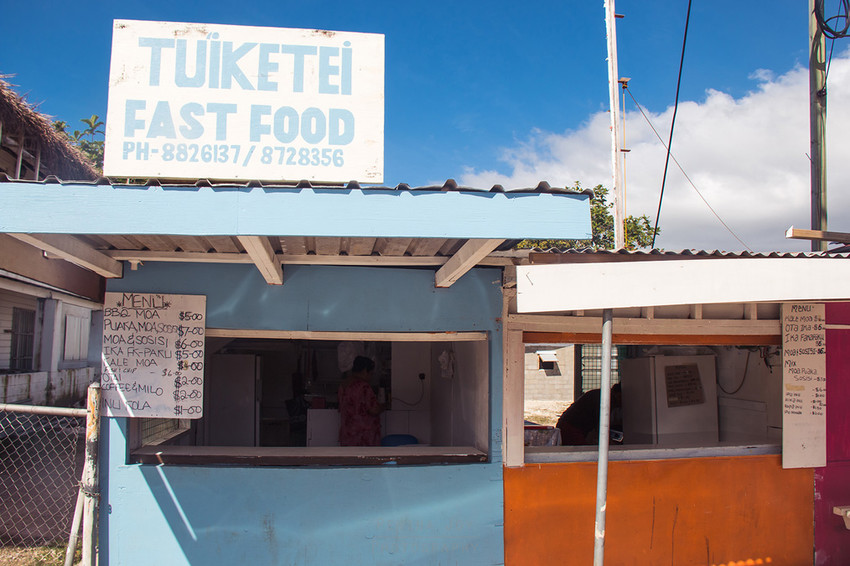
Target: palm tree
{"x": 94, "y": 124}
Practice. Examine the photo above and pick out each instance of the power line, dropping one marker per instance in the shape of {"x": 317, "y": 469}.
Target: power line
{"x": 673, "y": 124}
{"x": 827, "y": 26}
{"x": 676, "y": 161}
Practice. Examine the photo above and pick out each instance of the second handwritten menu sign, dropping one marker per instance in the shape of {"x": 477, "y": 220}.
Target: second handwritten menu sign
{"x": 804, "y": 385}
{"x": 153, "y": 355}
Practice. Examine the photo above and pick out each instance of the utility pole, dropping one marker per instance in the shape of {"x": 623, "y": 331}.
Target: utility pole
{"x": 817, "y": 125}
{"x": 614, "y": 102}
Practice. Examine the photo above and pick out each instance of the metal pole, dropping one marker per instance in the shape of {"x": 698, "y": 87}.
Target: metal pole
{"x": 90, "y": 487}
{"x": 604, "y": 432}
{"x": 817, "y": 125}
{"x": 37, "y": 410}
{"x": 75, "y": 530}
{"x": 614, "y": 102}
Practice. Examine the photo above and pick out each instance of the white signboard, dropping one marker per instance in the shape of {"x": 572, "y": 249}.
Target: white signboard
{"x": 190, "y": 101}
{"x": 804, "y": 385}
{"x": 153, "y": 355}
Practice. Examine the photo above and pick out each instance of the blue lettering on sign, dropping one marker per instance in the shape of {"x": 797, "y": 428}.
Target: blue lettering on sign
{"x": 131, "y": 123}
{"x": 218, "y": 64}
{"x": 298, "y": 52}
{"x": 181, "y": 78}
{"x": 157, "y": 45}
{"x": 214, "y": 63}
{"x": 313, "y": 124}
{"x": 267, "y": 67}
{"x": 285, "y": 123}
{"x": 192, "y": 128}
{"x": 162, "y": 126}
{"x": 230, "y": 65}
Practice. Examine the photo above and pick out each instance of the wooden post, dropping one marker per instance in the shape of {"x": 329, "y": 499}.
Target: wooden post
{"x": 817, "y": 125}
{"x": 37, "y": 163}
{"x": 90, "y": 487}
{"x": 20, "y": 161}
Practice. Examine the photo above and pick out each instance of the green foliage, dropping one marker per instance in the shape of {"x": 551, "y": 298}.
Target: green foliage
{"x": 638, "y": 228}
{"x": 85, "y": 140}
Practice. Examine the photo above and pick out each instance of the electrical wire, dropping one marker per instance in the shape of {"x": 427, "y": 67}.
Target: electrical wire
{"x": 743, "y": 379}
{"x": 826, "y": 24}
{"x": 833, "y": 33}
{"x": 676, "y": 161}
{"x": 421, "y": 395}
{"x": 673, "y": 124}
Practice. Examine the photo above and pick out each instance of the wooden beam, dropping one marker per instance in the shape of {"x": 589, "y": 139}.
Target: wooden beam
{"x": 465, "y": 259}
{"x": 262, "y": 254}
{"x": 75, "y": 251}
{"x": 44, "y": 293}
{"x": 540, "y": 288}
{"x": 296, "y": 259}
{"x": 334, "y": 335}
{"x": 653, "y": 339}
{"x": 803, "y": 234}
{"x": 641, "y": 326}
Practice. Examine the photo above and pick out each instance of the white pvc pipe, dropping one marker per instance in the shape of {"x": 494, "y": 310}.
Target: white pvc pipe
{"x": 604, "y": 433}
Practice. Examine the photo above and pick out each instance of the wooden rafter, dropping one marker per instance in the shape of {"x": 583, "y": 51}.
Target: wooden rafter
{"x": 296, "y": 259}
{"x": 262, "y": 254}
{"x": 465, "y": 259}
{"x": 75, "y": 251}
{"x": 802, "y": 234}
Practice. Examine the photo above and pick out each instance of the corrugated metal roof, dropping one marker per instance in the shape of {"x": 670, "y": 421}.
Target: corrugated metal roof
{"x": 449, "y": 185}
{"x": 589, "y": 255}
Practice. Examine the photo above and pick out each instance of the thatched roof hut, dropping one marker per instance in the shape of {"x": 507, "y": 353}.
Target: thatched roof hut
{"x": 29, "y": 146}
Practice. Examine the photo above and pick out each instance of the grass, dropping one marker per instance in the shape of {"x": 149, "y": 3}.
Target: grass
{"x": 34, "y": 556}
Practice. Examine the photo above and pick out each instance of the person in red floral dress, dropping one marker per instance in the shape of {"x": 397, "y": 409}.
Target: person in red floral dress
{"x": 359, "y": 410}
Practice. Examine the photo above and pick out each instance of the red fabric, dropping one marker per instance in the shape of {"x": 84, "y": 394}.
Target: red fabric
{"x": 357, "y": 425}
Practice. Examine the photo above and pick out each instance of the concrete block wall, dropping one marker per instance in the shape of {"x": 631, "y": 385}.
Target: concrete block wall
{"x": 549, "y": 385}
{"x": 61, "y": 388}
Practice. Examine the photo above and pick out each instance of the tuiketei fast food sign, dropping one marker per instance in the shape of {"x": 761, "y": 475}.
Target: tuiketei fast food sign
{"x": 189, "y": 101}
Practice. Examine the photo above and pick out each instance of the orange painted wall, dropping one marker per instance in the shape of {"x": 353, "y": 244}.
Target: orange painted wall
{"x": 672, "y": 512}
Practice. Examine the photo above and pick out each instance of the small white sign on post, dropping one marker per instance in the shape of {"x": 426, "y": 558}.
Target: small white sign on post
{"x": 804, "y": 385}
{"x": 153, "y": 355}
{"x": 206, "y": 101}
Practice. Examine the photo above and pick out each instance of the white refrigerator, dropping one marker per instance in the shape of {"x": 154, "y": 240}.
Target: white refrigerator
{"x": 669, "y": 401}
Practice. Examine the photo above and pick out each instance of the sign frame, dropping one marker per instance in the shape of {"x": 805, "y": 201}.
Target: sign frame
{"x": 211, "y": 101}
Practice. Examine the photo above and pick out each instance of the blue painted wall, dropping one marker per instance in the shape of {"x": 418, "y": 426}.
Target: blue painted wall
{"x": 428, "y": 515}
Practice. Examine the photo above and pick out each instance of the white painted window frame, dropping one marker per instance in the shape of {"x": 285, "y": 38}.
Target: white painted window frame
{"x": 346, "y": 455}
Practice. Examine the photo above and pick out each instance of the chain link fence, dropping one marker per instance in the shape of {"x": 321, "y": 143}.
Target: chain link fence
{"x": 41, "y": 462}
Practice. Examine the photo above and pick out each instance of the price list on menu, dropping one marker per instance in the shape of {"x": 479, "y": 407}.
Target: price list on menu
{"x": 804, "y": 385}
{"x": 153, "y": 355}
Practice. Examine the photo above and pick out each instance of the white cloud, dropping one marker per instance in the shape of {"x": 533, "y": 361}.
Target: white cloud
{"x": 747, "y": 156}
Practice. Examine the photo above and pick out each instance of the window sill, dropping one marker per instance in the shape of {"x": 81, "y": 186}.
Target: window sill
{"x": 310, "y": 456}
{"x": 547, "y": 454}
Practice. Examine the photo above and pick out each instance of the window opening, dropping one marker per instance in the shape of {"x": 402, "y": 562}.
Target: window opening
{"x": 591, "y": 366}
{"x": 718, "y": 399}
{"x": 23, "y": 340}
{"x": 76, "y": 337}
{"x": 282, "y": 395}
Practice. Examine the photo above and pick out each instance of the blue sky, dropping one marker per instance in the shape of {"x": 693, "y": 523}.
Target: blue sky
{"x": 471, "y": 87}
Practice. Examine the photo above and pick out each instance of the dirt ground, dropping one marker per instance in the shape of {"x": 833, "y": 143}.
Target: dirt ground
{"x": 43, "y": 556}
{"x": 544, "y": 412}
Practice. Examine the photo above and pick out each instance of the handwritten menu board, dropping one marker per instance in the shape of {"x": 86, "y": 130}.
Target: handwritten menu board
{"x": 804, "y": 385}
{"x": 153, "y": 355}
{"x": 684, "y": 386}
